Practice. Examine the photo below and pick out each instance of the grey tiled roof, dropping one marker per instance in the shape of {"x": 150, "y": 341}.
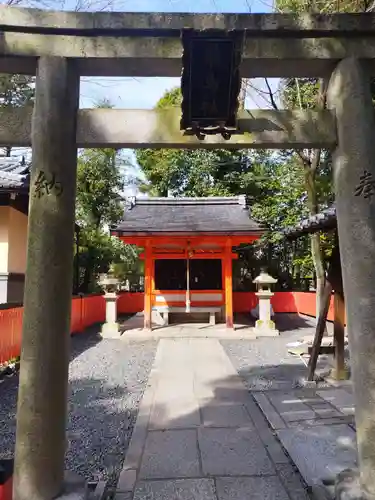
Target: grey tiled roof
{"x": 324, "y": 221}
{"x": 14, "y": 174}
{"x": 187, "y": 215}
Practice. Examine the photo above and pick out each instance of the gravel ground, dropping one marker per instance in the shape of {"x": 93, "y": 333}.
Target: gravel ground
{"x": 106, "y": 381}
{"x": 264, "y": 363}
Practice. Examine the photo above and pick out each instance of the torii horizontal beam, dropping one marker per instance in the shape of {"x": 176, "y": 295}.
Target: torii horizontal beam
{"x": 162, "y": 56}
{"x": 138, "y": 44}
{"x": 152, "y": 23}
{"x": 120, "y": 128}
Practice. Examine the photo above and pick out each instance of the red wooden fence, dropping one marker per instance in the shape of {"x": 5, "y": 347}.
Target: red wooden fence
{"x": 88, "y": 310}
{"x": 243, "y": 302}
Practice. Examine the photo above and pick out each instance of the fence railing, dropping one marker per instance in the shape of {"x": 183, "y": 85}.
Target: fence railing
{"x": 243, "y": 302}
{"x": 90, "y": 309}
{"x": 86, "y": 311}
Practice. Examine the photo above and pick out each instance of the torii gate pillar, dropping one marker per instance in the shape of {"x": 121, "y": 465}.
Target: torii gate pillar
{"x": 42, "y": 400}
{"x": 349, "y": 94}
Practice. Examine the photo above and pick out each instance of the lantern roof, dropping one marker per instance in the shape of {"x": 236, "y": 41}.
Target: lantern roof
{"x": 264, "y": 279}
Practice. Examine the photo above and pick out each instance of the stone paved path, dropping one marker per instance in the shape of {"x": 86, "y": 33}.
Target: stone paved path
{"x": 316, "y": 427}
{"x": 201, "y": 436}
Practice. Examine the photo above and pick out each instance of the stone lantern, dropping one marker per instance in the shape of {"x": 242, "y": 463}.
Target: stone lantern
{"x": 264, "y": 326}
{"x": 110, "y": 284}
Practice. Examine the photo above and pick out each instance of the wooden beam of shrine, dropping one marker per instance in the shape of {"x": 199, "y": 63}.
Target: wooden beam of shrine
{"x": 162, "y": 56}
{"x": 117, "y": 128}
{"x": 179, "y": 256}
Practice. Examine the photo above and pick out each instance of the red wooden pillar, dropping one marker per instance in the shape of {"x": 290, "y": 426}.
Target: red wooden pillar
{"x": 148, "y": 286}
{"x": 228, "y": 284}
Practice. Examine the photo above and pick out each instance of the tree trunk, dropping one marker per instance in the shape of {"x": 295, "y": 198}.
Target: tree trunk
{"x": 316, "y": 253}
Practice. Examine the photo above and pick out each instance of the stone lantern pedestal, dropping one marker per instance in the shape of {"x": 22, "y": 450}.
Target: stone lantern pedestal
{"x": 264, "y": 326}
{"x": 110, "y": 328}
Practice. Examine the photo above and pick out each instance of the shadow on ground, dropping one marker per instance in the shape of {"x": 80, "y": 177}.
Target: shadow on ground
{"x": 107, "y": 380}
{"x": 106, "y": 383}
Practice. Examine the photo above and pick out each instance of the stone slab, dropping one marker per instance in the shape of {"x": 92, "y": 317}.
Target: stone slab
{"x": 256, "y": 488}
{"x": 75, "y": 487}
{"x": 271, "y": 443}
{"x": 127, "y": 480}
{"x": 158, "y": 128}
{"x": 303, "y": 424}
{"x": 131, "y": 23}
{"x": 170, "y": 454}
{"x": 179, "y": 489}
{"x": 233, "y": 452}
{"x": 292, "y": 482}
{"x": 122, "y": 496}
{"x": 99, "y": 491}
{"x": 290, "y": 407}
{"x": 176, "y": 414}
{"x": 226, "y": 415}
{"x": 328, "y": 412}
{"x": 136, "y": 445}
{"x": 320, "y": 451}
{"x": 274, "y": 419}
{"x": 340, "y": 399}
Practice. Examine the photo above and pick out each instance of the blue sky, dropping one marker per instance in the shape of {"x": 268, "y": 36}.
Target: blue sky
{"x": 143, "y": 93}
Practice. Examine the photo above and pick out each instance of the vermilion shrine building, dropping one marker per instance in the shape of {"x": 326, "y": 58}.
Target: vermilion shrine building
{"x": 188, "y": 252}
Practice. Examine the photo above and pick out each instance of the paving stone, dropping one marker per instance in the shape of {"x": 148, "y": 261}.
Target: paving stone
{"x": 315, "y": 403}
{"x": 290, "y": 407}
{"x": 303, "y": 424}
{"x": 179, "y": 489}
{"x": 340, "y": 398}
{"x": 170, "y": 454}
{"x": 127, "y": 480}
{"x": 256, "y": 488}
{"x": 320, "y": 451}
{"x": 123, "y": 496}
{"x": 327, "y": 412}
{"x": 226, "y": 415}
{"x": 269, "y": 411}
{"x": 177, "y": 413}
{"x": 271, "y": 443}
{"x": 233, "y": 452}
{"x": 292, "y": 482}
{"x": 297, "y": 416}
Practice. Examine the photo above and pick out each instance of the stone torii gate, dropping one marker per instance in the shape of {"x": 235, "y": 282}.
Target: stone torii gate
{"x": 59, "y": 47}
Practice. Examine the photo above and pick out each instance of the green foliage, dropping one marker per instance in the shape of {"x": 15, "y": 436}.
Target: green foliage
{"x": 281, "y": 202}
{"x": 99, "y": 206}
{"x": 323, "y": 6}
{"x": 274, "y": 182}
{"x": 16, "y": 90}
{"x": 172, "y": 98}
{"x": 301, "y": 93}
{"x": 197, "y": 172}
{"x": 99, "y": 184}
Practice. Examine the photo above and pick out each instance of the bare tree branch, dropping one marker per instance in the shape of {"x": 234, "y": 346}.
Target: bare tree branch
{"x": 270, "y": 93}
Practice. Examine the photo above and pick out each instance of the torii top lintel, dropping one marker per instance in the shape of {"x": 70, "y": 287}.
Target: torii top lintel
{"x": 148, "y": 44}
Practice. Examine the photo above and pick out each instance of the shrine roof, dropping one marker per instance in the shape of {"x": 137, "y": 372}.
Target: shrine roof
{"x": 14, "y": 174}
{"x": 212, "y": 215}
{"x": 324, "y": 221}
